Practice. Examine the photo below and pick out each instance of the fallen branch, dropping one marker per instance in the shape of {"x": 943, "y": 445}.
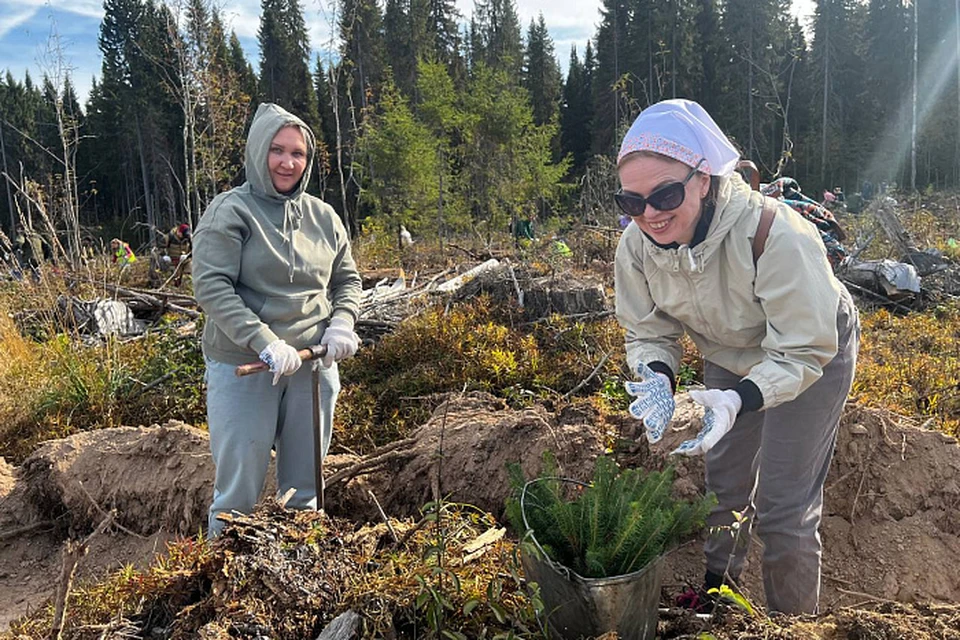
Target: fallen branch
{"x": 590, "y": 377}
{"x": 153, "y": 384}
{"x": 393, "y": 533}
{"x": 13, "y": 533}
{"x": 380, "y": 457}
{"x": 882, "y": 298}
{"x": 105, "y": 514}
{"x": 869, "y": 597}
{"x": 72, "y": 553}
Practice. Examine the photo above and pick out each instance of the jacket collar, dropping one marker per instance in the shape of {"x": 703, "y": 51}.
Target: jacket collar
{"x": 733, "y": 201}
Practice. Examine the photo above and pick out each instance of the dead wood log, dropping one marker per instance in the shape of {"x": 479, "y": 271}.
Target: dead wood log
{"x": 153, "y": 301}
{"x": 886, "y": 214}
{"x": 343, "y": 627}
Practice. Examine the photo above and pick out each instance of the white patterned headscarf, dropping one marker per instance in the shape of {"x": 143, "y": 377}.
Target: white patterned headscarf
{"x": 682, "y": 130}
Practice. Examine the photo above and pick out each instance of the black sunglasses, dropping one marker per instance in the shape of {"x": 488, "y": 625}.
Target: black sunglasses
{"x": 666, "y": 198}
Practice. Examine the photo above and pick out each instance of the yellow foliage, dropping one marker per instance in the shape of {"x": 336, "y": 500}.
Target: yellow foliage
{"x": 911, "y": 364}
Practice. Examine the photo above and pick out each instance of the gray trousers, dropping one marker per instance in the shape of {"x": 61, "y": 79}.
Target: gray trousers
{"x": 247, "y": 417}
{"x": 785, "y": 453}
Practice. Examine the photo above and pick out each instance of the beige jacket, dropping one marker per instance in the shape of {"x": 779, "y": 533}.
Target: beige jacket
{"x": 774, "y": 324}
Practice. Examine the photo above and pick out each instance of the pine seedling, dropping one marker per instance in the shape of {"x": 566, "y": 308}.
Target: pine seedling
{"x": 618, "y": 524}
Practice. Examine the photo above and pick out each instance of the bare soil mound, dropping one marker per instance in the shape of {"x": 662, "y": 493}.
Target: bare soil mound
{"x": 891, "y": 529}
{"x": 155, "y": 477}
{"x": 461, "y": 453}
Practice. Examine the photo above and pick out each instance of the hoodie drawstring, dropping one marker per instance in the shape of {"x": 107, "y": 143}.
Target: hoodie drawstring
{"x": 291, "y": 222}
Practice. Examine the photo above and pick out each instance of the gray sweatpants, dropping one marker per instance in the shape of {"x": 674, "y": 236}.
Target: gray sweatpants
{"x": 247, "y": 417}
{"x": 785, "y": 451}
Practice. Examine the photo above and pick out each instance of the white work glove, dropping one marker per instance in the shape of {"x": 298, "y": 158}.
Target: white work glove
{"x": 654, "y": 401}
{"x": 722, "y": 406}
{"x": 282, "y": 359}
{"x": 340, "y": 340}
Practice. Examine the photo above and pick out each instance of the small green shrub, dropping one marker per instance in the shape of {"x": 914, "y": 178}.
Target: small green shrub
{"x": 616, "y": 525}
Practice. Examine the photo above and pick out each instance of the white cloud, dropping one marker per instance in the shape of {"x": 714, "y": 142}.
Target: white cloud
{"x": 88, "y": 8}
{"x": 9, "y": 22}
{"x": 242, "y": 17}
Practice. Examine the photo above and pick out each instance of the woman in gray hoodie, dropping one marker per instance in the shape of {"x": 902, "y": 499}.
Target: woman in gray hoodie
{"x": 274, "y": 274}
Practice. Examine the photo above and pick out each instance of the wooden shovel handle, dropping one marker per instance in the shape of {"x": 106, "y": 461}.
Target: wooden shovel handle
{"x": 310, "y": 353}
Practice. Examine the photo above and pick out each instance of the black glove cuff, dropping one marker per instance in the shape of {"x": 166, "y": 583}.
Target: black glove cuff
{"x": 751, "y": 398}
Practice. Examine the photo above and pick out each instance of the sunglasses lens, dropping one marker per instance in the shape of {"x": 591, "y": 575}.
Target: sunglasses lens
{"x": 668, "y": 198}
{"x": 631, "y": 205}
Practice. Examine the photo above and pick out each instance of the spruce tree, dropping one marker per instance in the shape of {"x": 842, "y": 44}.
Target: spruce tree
{"x": 442, "y": 28}
{"x": 541, "y": 74}
{"x": 709, "y": 44}
{"x": 610, "y": 44}
{"x": 755, "y": 34}
{"x": 497, "y": 37}
{"x": 400, "y": 43}
{"x": 837, "y": 84}
{"x": 362, "y": 48}
{"x": 242, "y": 68}
{"x": 575, "y": 113}
{"x": 285, "y": 59}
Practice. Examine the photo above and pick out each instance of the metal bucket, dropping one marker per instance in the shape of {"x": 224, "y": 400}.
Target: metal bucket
{"x": 578, "y": 607}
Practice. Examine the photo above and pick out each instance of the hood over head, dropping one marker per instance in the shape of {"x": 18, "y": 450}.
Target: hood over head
{"x": 269, "y": 119}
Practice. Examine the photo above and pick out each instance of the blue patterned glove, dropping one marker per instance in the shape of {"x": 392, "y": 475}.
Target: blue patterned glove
{"x": 721, "y": 411}
{"x": 654, "y": 401}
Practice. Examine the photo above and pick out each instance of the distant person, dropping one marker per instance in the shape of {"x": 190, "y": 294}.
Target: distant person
{"x": 122, "y": 253}
{"x": 866, "y": 191}
{"x": 523, "y": 234}
{"x": 87, "y": 251}
{"x": 176, "y": 251}
{"x": 838, "y": 195}
{"x": 274, "y": 273}
{"x": 406, "y": 240}
{"x": 747, "y": 279}
{"x": 30, "y": 252}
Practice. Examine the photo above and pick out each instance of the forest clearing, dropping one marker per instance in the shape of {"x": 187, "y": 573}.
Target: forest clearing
{"x": 539, "y": 296}
{"x": 104, "y": 446}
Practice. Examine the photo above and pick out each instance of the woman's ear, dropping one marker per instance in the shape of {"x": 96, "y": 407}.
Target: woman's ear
{"x": 704, "y": 185}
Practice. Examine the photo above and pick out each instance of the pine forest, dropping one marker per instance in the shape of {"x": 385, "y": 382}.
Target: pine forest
{"x": 445, "y": 124}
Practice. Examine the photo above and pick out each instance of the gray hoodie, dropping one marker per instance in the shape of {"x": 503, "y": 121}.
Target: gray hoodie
{"x": 267, "y": 265}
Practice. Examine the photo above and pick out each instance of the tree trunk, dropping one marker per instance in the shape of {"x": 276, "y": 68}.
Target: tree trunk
{"x": 147, "y": 195}
{"x": 70, "y": 216}
{"x": 956, "y": 170}
{"x": 673, "y": 50}
{"x": 751, "y": 151}
{"x": 890, "y": 223}
{"x": 335, "y": 100}
{"x": 6, "y": 185}
{"x": 826, "y": 95}
{"x": 913, "y": 126}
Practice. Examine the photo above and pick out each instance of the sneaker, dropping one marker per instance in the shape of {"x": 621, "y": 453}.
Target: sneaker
{"x": 698, "y": 600}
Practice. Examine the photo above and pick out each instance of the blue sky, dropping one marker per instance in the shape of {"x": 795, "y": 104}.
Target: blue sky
{"x": 27, "y": 26}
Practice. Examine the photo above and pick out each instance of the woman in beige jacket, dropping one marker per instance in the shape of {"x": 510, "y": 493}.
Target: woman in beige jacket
{"x": 778, "y": 333}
